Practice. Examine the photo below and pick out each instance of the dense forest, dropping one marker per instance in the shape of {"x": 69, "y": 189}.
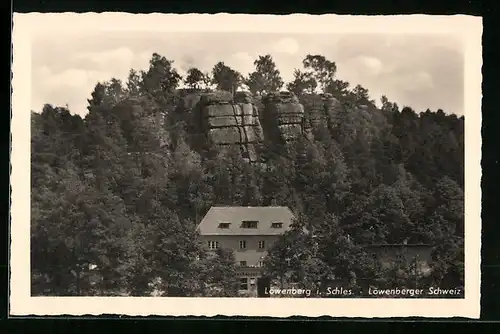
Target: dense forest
{"x": 117, "y": 195}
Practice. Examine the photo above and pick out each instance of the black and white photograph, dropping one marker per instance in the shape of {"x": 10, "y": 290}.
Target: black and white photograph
{"x": 225, "y": 163}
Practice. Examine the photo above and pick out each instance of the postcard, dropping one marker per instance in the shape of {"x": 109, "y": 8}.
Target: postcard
{"x": 246, "y": 165}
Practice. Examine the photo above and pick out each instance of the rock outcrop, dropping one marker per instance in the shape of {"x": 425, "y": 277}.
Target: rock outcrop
{"x": 320, "y": 109}
{"x": 187, "y": 101}
{"x": 282, "y": 117}
{"x": 225, "y": 120}
{"x": 141, "y": 124}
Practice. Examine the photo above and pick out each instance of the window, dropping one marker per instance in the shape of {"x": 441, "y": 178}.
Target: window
{"x": 213, "y": 244}
{"x": 243, "y": 244}
{"x": 249, "y": 224}
{"x": 243, "y": 283}
{"x": 261, "y": 244}
{"x": 276, "y": 225}
{"x": 224, "y": 225}
{"x": 260, "y": 264}
{"x": 252, "y": 282}
{"x": 243, "y": 263}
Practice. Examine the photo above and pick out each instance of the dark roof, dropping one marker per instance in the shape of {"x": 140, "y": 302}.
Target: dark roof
{"x": 235, "y": 215}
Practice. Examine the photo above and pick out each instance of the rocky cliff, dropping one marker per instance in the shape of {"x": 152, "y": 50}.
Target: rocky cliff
{"x": 253, "y": 124}
{"x": 245, "y": 121}
{"x": 224, "y": 120}
{"x": 282, "y": 117}
{"x": 320, "y": 109}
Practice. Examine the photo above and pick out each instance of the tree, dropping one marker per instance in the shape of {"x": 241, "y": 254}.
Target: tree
{"x": 175, "y": 249}
{"x": 225, "y": 78}
{"x": 322, "y": 69}
{"x": 161, "y": 78}
{"x": 337, "y": 88}
{"x": 219, "y": 274}
{"x": 115, "y": 91}
{"x": 116, "y": 197}
{"x": 448, "y": 265}
{"x": 361, "y": 95}
{"x": 388, "y": 105}
{"x": 338, "y": 250}
{"x": 81, "y": 234}
{"x": 105, "y": 96}
{"x": 98, "y": 98}
{"x": 388, "y": 216}
{"x": 303, "y": 81}
{"x": 194, "y": 78}
{"x": 311, "y": 174}
{"x": 103, "y": 149}
{"x": 286, "y": 255}
{"x": 194, "y": 194}
{"x": 252, "y": 193}
{"x": 134, "y": 83}
{"x": 266, "y": 77}
{"x": 55, "y": 175}
{"x": 449, "y": 203}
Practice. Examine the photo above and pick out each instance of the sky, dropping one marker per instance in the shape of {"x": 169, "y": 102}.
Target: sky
{"x": 419, "y": 70}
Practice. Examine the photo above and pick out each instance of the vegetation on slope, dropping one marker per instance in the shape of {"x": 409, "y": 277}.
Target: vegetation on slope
{"x": 116, "y": 196}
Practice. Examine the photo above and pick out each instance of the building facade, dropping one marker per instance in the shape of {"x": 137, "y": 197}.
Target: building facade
{"x": 249, "y": 232}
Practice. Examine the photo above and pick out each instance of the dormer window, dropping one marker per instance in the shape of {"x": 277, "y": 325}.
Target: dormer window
{"x": 224, "y": 225}
{"x": 276, "y": 225}
{"x": 249, "y": 224}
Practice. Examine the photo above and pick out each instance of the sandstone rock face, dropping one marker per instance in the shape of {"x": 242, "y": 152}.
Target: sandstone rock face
{"x": 321, "y": 109}
{"x": 189, "y": 101}
{"x": 227, "y": 122}
{"x": 244, "y": 97}
{"x": 186, "y": 104}
{"x": 282, "y": 116}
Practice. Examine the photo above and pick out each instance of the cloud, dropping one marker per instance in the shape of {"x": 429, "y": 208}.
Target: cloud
{"x": 117, "y": 62}
{"x": 371, "y": 64}
{"x": 67, "y": 68}
{"x": 414, "y": 81}
{"x": 424, "y": 80}
{"x": 242, "y": 62}
{"x": 72, "y": 82}
{"x": 65, "y": 87}
{"x": 360, "y": 68}
{"x": 185, "y": 63}
{"x": 121, "y": 55}
{"x": 287, "y": 45}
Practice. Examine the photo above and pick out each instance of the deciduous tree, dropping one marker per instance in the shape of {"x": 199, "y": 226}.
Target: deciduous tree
{"x": 226, "y": 78}
{"x": 266, "y": 77}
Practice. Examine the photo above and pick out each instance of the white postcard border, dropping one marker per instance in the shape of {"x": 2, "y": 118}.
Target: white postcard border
{"x": 21, "y": 303}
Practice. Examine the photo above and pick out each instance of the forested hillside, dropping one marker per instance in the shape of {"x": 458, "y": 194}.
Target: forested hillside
{"x": 116, "y": 196}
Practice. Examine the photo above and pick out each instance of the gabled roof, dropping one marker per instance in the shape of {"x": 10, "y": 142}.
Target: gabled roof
{"x": 235, "y": 215}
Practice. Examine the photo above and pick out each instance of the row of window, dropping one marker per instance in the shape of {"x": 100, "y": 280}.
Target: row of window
{"x": 246, "y": 274}
{"x": 243, "y": 244}
{"x": 245, "y": 264}
{"x": 246, "y": 281}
